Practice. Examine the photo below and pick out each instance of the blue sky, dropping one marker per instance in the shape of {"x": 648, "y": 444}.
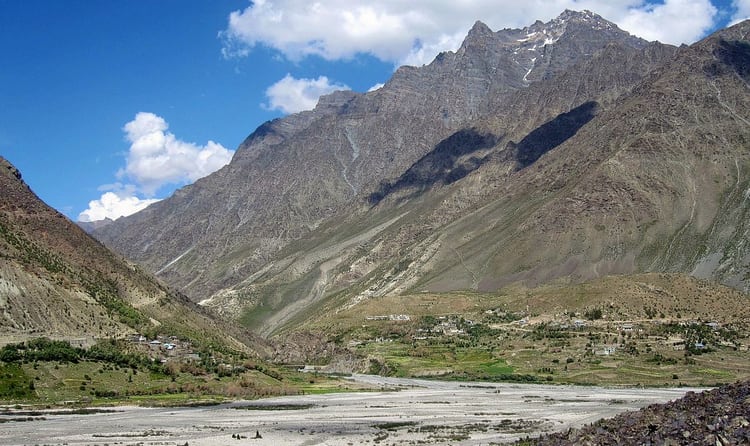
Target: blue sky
{"x": 120, "y": 102}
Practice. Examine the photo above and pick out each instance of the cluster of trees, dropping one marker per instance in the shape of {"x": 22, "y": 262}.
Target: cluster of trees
{"x": 700, "y": 337}
{"x": 44, "y": 349}
{"x": 41, "y": 349}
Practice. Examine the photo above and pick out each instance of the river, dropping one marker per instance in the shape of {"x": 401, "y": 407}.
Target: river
{"x": 405, "y": 411}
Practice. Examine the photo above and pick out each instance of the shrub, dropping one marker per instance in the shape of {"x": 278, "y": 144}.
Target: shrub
{"x": 593, "y": 314}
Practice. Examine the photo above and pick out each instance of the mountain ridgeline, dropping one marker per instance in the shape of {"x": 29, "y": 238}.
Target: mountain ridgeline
{"x": 567, "y": 150}
{"x": 56, "y": 281}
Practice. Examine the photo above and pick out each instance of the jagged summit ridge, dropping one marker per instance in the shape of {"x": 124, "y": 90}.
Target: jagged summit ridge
{"x": 530, "y": 49}
{"x": 579, "y": 30}
{"x": 584, "y": 16}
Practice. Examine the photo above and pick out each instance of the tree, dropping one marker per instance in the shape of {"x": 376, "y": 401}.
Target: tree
{"x": 593, "y": 314}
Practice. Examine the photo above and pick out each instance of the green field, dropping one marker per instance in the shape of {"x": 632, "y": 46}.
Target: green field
{"x": 53, "y": 373}
{"x": 617, "y": 331}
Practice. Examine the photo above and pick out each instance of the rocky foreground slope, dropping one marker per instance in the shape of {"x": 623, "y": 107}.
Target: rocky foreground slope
{"x": 718, "y": 417}
{"x": 58, "y": 282}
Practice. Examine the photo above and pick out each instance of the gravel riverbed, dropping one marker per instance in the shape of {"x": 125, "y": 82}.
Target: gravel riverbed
{"x": 402, "y": 411}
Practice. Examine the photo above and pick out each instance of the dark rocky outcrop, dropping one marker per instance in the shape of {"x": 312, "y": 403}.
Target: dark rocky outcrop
{"x": 715, "y": 417}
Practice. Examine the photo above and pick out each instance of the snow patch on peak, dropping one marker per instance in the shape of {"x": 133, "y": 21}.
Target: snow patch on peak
{"x": 529, "y": 36}
{"x": 525, "y": 76}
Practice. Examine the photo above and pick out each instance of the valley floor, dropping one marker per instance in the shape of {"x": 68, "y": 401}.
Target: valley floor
{"x": 401, "y": 411}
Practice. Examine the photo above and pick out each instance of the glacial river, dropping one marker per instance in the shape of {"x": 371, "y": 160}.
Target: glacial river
{"x": 407, "y": 411}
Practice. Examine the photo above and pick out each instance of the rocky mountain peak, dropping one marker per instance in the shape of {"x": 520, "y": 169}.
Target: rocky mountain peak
{"x": 538, "y": 51}
{"x": 9, "y": 169}
{"x": 353, "y": 141}
{"x": 478, "y": 41}
{"x": 582, "y": 16}
{"x": 551, "y": 31}
{"x": 479, "y": 31}
{"x": 335, "y": 100}
{"x": 548, "y": 48}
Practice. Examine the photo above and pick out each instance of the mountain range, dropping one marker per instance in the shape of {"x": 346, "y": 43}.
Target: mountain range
{"x": 560, "y": 152}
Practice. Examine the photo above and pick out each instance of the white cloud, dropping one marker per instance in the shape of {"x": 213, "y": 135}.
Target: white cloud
{"x": 377, "y": 86}
{"x": 674, "y": 21}
{"x": 113, "y": 206}
{"x": 157, "y": 157}
{"x": 415, "y": 31}
{"x": 290, "y": 95}
{"x": 332, "y": 29}
{"x": 741, "y": 11}
{"x": 424, "y": 53}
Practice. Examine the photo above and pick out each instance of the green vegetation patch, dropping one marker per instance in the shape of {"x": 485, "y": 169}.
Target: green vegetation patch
{"x": 31, "y": 253}
{"x": 276, "y": 407}
{"x": 15, "y": 384}
{"x": 645, "y": 330}
{"x": 105, "y": 292}
{"x": 394, "y": 425}
{"x": 48, "y": 372}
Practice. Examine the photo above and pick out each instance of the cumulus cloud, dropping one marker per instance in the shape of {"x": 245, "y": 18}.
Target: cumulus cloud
{"x": 741, "y": 10}
{"x": 290, "y": 95}
{"x": 414, "y": 32}
{"x": 113, "y": 206}
{"x": 426, "y": 51}
{"x": 332, "y": 29}
{"x": 674, "y": 21}
{"x": 156, "y": 158}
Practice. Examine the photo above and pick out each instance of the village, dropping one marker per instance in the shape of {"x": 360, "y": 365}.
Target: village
{"x": 650, "y": 330}
{"x": 575, "y": 347}
{"x": 164, "y": 348}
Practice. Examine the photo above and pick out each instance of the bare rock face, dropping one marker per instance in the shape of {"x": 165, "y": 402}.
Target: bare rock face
{"x": 567, "y": 149}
